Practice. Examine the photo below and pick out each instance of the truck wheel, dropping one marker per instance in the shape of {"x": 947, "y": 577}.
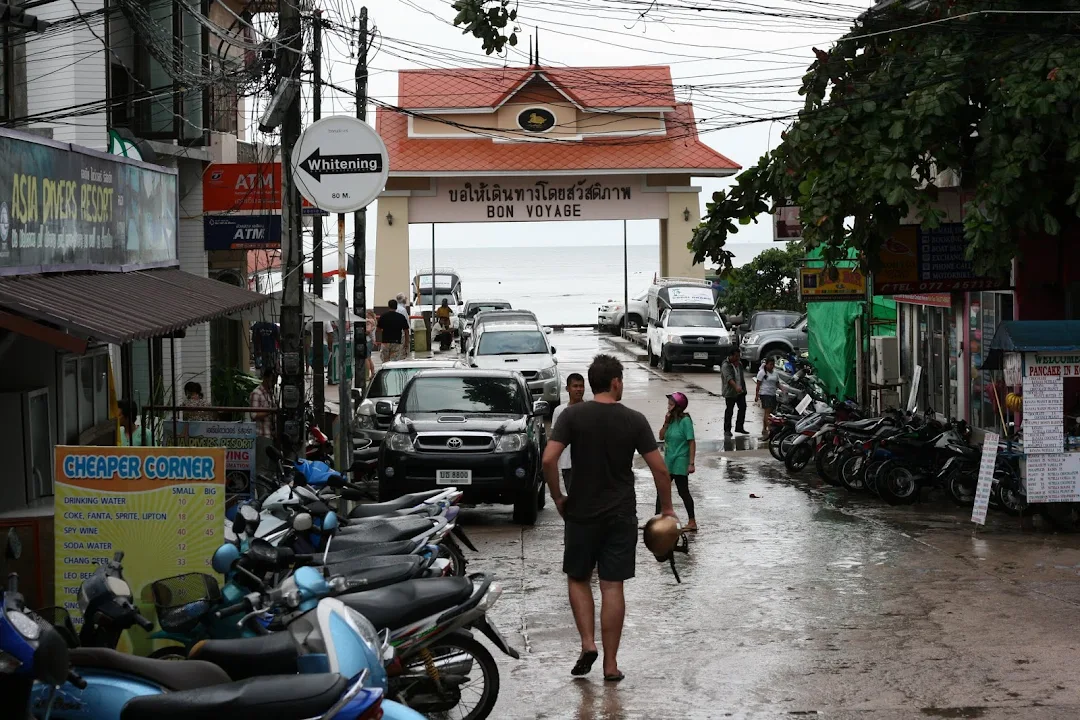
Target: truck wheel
{"x": 777, "y": 352}
{"x": 635, "y": 322}
{"x": 665, "y": 362}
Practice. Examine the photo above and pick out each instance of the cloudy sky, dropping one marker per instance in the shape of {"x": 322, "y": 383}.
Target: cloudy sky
{"x": 738, "y": 61}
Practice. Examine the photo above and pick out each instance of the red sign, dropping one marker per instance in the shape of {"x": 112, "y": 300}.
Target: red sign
{"x": 228, "y": 187}
{"x": 932, "y": 299}
{"x": 242, "y": 186}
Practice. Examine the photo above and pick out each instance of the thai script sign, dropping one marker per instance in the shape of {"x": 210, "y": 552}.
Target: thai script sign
{"x": 238, "y": 439}
{"x": 606, "y": 197}
{"x": 929, "y": 260}
{"x": 63, "y": 207}
{"x": 241, "y": 232}
{"x": 162, "y": 507}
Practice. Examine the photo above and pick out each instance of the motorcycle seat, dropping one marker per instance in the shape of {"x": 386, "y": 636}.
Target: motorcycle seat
{"x": 391, "y": 571}
{"x": 282, "y": 696}
{"x": 352, "y": 547}
{"x": 866, "y": 424}
{"x": 243, "y": 658}
{"x": 168, "y": 674}
{"x": 405, "y": 502}
{"x": 407, "y": 602}
{"x": 374, "y": 530}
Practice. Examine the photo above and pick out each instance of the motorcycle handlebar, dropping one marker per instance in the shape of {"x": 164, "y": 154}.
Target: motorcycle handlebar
{"x": 239, "y": 607}
{"x": 143, "y": 622}
{"x": 352, "y": 493}
{"x": 76, "y": 680}
{"x": 13, "y": 583}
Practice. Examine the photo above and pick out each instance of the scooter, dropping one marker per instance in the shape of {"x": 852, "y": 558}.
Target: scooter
{"x": 343, "y": 676}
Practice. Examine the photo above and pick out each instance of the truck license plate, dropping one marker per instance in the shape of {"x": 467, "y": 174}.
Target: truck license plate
{"x": 453, "y": 477}
{"x": 701, "y": 356}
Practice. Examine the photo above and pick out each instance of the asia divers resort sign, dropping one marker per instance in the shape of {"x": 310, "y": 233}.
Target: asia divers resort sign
{"x": 601, "y": 197}
{"x": 63, "y": 207}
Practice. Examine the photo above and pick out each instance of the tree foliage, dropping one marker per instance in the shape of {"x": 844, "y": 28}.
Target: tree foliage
{"x": 768, "y": 282}
{"x": 487, "y": 20}
{"x": 963, "y": 85}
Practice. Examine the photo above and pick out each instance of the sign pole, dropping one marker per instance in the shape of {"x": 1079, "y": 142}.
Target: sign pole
{"x": 343, "y": 360}
{"x": 626, "y": 283}
{"x": 318, "y": 333}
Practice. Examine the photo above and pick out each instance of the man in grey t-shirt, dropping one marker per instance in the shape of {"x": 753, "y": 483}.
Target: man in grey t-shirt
{"x": 601, "y": 512}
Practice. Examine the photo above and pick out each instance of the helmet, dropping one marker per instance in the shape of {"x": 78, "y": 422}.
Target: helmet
{"x": 661, "y": 535}
{"x": 679, "y": 399}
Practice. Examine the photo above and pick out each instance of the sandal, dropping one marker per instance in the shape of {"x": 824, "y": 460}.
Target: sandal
{"x": 614, "y": 678}
{"x": 584, "y": 663}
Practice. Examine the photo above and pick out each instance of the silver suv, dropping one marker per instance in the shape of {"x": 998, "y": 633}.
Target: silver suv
{"x": 774, "y": 342}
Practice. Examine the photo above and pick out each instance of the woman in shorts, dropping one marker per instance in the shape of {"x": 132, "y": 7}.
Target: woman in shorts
{"x": 767, "y": 383}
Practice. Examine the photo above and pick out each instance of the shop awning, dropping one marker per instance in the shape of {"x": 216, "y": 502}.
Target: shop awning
{"x": 1032, "y": 336}
{"x": 121, "y": 307}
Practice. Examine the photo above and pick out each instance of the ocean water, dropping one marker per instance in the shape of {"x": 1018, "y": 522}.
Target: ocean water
{"x": 562, "y": 285}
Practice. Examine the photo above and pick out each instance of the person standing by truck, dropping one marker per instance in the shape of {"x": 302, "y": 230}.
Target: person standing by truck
{"x": 575, "y": 391}
{"x": 731, "y": 372}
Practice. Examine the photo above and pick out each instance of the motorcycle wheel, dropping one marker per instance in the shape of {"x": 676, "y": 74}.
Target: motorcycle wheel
{"x": 453, "y": 693}
{"x": 871, "y": 473}
{"x": 853, "y": 471}
{"x": 898, "y": 485}
{"x": 825, "y": 461}
{"x": 798, "y": 457}
{"x": 961, "y": 488}
{"x": 170, "y": 652}
{"x": 1007, "y": 490}
{"x": 774, "y": 443}
{"x": 786, "y": 443}
{"x": 449, "y": 549}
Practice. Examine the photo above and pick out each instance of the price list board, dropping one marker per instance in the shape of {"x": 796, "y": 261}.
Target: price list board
{"x": 986, "y": 478}
{"x": 1053, "y": 477}
{"x": 162, "y": 507}
{"x": 1044, "y": 415}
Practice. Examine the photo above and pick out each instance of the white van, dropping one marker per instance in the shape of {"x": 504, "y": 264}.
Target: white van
{"x": 684, "y": 327}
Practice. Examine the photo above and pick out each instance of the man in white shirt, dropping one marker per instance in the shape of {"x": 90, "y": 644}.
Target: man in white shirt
{"x": 403, "y": 305}
{"x": 575, "y": 390}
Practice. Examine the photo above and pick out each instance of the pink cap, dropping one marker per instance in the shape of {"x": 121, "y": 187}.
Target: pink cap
{"x": 679, "y": 399}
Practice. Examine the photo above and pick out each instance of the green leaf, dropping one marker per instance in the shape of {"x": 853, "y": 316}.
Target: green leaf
{"x": 869, "y": 106}
{"x": 896, "y": 130}
{"x": 1051, "y": 224}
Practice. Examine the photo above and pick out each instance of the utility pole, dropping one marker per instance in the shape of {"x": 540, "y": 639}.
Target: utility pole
{"x": 289, "y": 64}
{"x": 317, "y": 331}
{"x": 360, "y": 222}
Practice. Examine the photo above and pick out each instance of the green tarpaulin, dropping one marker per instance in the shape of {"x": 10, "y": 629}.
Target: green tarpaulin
{"x": 832, "y": 336}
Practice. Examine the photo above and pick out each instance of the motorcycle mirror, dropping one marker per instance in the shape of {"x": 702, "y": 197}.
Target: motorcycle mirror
{"x": 249, "y": 514}
{"x": 239, "y": 525}
{"x": 273, "y": 453}
{"x": 318, "y": 508}
{"x": 335, "y": 481}
{"x": 118, "y": 587}
{"x": 224, "y": 557}
{"x": 299, "y": 479}
{"x": 302, "y": 522}
{"x": 13, "y": 550}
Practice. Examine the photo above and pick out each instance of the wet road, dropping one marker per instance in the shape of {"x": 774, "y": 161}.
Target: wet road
{"x": 798, "y": 602}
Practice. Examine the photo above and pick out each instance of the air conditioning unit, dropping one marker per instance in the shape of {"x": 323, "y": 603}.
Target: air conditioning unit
{"x": 884, "y": 360}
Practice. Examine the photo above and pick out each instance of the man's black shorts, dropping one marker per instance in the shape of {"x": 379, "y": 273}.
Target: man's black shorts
{"x": 609, "y": 545}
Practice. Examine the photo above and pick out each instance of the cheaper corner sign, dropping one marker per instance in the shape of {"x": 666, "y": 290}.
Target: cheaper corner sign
{"x": 163, "y": 507}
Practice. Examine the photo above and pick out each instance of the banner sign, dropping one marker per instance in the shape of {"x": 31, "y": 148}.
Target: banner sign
{"x": 63, "y": 207}
{"x": 241, "y": 232}
{"x": 238, "y": 440}
{"x": 923, "y": 260}
{"x": 929, "y": 299}
{"x": 231, "y": 187}
{"x": 1038, "y": 364}
{"x": 817, "y": 284}
{"x": 986, "y": 478}
{"x": 605, "y": 197}
{"x": 162, "y": 507}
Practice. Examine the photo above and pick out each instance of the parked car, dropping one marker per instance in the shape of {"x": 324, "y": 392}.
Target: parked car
{"x": 684, "y": 329}
{"x": 470, "y": 310}
{"x": 476, "y": 430}
{"x": 497, "y": 316}
{"x": 775, "y": 342}
{"x": 522, "y": 347}
{"x": 611, "y": 315}
{"x": 387, "y": 386}
{"x": 760, "y": 320}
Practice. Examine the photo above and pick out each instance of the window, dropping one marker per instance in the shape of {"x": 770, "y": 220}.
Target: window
{"x": 985, "y": 311}
{"x": 465, "y": 395}
{"x": 85, "y": 399}
{"x": 694, "y": 318}
{"x": 390, "y": 383}
{"x": 513, "y": 342}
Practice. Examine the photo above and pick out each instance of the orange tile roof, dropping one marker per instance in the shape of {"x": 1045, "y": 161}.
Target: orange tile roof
{"x": 680, "y": 150}
{"x": 642, "y": 86}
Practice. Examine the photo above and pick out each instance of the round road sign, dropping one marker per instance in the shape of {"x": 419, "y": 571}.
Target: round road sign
{"x": 340, "y": 164}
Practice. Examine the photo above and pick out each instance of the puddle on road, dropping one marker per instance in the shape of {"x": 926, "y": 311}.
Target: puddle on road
{"x": 957, "y": 712}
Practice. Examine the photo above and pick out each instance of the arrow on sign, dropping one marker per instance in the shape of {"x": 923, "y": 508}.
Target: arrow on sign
{"x": 317, "y": 165}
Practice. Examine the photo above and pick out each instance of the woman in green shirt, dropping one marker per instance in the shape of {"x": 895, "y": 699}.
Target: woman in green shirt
{"x": 131, "y": 433}
{"x": 677, "y": 435}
